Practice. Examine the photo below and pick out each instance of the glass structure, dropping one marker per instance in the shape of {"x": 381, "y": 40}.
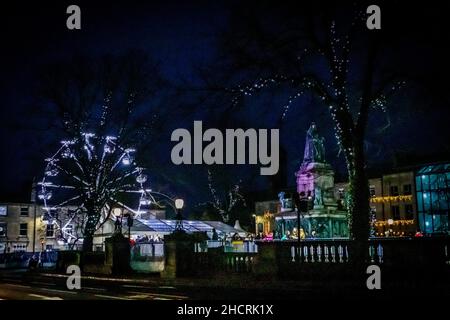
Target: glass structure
{"x": 432, "y": 187}
{"x": 168, "y": 226}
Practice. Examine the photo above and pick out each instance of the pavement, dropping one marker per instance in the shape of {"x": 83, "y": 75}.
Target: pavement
{"x": 44, "y": 285}
{"x": 22, "y": 285}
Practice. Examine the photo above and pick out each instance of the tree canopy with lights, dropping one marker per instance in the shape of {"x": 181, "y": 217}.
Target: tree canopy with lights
{"x": 322, "y": 52}
{"x": 99, "y": 108}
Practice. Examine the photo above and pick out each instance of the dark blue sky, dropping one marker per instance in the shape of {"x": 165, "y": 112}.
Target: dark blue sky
{"x": 181, "y": 36}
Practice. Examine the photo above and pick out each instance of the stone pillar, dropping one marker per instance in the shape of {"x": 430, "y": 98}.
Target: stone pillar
{"x": 179, "y": 254}
{"x": 170, "y": 254}
{"x": 117, "y": 251}
{"x": 265, "y": 264}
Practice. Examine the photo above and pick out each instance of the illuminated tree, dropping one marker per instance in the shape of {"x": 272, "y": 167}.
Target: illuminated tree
{"x": 94, "y": 175}
{"x": 309, "y": 53}
{"x": 100, "y": 110}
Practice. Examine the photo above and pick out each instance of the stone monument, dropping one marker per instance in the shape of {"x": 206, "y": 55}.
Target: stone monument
{"x": 315, "y": 179}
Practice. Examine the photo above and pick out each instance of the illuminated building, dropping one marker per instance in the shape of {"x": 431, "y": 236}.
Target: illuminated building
{"x": 432, "y": 193}
{"x": 409, "y": 201}
{"x": 393, "y": 205}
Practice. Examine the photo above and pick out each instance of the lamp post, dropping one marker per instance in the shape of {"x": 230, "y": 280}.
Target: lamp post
{"x": 129, "y": 223}
{"x": 301, "y": 201}
{"x": 179, "y": 203}
{"x": 118, "y": 224}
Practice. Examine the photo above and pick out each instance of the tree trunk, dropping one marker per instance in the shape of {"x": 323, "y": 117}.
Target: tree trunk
{"x": 89, "y": 230}
{"x": 359, "y": 207}
{"x": 87, "y": 243}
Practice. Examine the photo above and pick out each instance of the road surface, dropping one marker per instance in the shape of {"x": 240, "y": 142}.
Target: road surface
{"x": 21, "y": 286}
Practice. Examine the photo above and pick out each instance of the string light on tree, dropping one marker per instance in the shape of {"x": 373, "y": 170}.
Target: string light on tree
{"x": 93, "y": 174}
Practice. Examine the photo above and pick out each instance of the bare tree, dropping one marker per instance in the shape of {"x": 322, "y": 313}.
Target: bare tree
{"x": 224, "y": 198}
{"x": 321, "y": 52}
{"x": 104, "y": 120}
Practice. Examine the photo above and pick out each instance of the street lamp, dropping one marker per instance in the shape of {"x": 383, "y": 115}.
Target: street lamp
{"x": 302, "y": 202}
{"x": 118, "y": 224}
{"x": 179, "y": 203}
{"x": 130, "y": 222}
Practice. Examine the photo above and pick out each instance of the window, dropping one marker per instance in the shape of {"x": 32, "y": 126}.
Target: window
{"x": 395, "y": 212}
{"x": 407, "y": 189}
{"x": 24, "y": 211}
{"x": 50, "y": 232}
{"x": 3, "y": 210}
{"x": 393, "y": 190}
{"x": 23, "y": 231}
{"x": 409, "y": 214}
{"x": 3, "y": 229}
{"x": 372, "y": 191}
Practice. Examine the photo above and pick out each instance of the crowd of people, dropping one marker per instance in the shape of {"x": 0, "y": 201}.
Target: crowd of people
{"x": 148, "y": 239}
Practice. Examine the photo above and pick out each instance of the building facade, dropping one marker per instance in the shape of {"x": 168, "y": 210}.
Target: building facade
{"x": 432, "y": 190}
{"x": 21, "y": 228}
{"x": 25, "y": 228}
{"x": 409, "y": 202}
{"x": 393, "y": 205}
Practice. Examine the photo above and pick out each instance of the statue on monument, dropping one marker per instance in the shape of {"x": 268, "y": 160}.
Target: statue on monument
{"x": 314, "y": 147}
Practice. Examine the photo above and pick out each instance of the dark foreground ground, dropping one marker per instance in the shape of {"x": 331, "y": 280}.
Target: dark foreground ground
{"x": 24, "y": 285}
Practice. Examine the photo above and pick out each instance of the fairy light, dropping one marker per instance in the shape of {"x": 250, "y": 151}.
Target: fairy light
{"x": 333, "y": 94}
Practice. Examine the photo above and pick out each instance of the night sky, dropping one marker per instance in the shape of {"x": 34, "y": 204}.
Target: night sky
{"x": 181, "y": 36}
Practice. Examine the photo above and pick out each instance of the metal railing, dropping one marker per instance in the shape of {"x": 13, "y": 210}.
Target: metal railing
{"x": 22, "y": 259}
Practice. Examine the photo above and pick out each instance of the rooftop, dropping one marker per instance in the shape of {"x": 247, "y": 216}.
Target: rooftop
{"x": 168, "y": 226}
